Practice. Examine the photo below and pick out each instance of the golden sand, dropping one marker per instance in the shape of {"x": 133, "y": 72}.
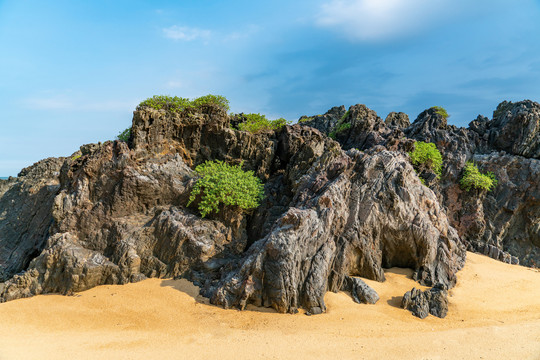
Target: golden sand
{"x": 494, "y": 314}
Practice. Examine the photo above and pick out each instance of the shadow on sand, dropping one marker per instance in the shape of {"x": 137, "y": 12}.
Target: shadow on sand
{"x": 191, "y": 290}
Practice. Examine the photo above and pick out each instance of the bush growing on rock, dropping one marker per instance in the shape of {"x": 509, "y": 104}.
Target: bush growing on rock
{"x": 255, "y": 123}
{"x": 342, "y": 125}
{"x": 124, "y": 135}
{"x": 441, "y": 111}
{"x": 221, "y": 183}
{"x": 427, "y": 155}
{"x": 178, "y": 104}
{"x": 473, "y": 178}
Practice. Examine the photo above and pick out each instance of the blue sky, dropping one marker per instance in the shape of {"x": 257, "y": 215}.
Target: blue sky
{"x": 72, "y": 72}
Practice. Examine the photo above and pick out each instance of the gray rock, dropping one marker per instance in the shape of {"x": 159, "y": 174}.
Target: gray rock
{"x": 324, "y": 123}
{"x": 422, "y": 303}
{"x": 361, "y": 292}
{"x": 399, "y": 120}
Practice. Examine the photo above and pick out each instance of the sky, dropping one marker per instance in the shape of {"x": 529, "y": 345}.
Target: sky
{"x": 72, "y": 72}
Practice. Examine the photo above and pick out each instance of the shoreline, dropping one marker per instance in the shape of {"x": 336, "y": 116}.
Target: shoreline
{"x": 493, "y": 312}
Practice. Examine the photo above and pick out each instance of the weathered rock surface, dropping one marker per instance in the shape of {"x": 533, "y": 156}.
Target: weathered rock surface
{"x": 515, "y": 128}
{"x": 25, "y": 215}
{"x": 118, "y": 214}
{"x": 352, "y": 214}
{"x": 324, "y": 123}
{"x": 505, "y": 218}
{"x": 399, "y": 120}
{"x": 422, "y": 303}
{"x": 361, "y": 292}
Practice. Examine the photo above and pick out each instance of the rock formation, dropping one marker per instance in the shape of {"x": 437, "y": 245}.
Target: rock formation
{"x": 502, "y": 223}
{"x": 333, "y": 210}
{"x": 422, "y": 303}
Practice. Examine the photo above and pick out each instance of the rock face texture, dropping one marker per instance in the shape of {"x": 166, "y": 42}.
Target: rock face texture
{"x": 333, "y": 211}
{"x": 502, "y": 223}
{"x": 422, "y": 303}
{"x": 25, "y": 215}
{"x": 117, "y": 214}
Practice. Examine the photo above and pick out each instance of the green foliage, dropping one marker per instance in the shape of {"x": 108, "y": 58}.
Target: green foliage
{"x": 256, "y": 122}
{"x": 305, "y": 119}
{"x": 75, "y": 157}
{"x": 124, "y": 135}
{"x": 218, "y": 100}
{"x": 427, "y": 154}
{"x": 340, "y": 126}
{"x": 221, "y": 183}
{"x": 344, "y": 116}
{"x": 441, "y": 111}
{"x": 473, "y": 178}
{"x": 178, "y": 104}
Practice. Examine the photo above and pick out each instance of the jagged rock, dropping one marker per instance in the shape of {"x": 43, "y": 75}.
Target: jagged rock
{"x": 512, "y": 209}
{"x": 118, "y": 214}
{"x": 64, "y": 267}
{"x": 198, "y": 135}
{"x": 345, "y": 220}
{"x": 25, "y": 215}
{"x": 422, "y": 303}
{"x": 366, "y": 130}
{"x": 361, "y": 292}
{"x": 324, "y": 123}
{"x": 515, "y": 128}
{"x": 399, "y": 120}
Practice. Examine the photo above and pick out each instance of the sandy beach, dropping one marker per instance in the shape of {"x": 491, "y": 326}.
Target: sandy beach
{"x": 494, "y": 314}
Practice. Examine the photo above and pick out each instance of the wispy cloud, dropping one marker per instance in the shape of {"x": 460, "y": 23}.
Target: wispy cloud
{"x": 375, "y": 20}
{"x": 186, "y": 33}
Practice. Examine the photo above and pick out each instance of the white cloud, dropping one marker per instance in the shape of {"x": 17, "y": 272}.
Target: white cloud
{"x": 185, "y": 33}
{"x": 375, "y": 20}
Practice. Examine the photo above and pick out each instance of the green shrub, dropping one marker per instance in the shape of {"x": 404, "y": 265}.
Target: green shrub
{"x": 221, "y": 183}
{"x": 427, "y": 154}
{"x": 339, "y": 128}
{"x": 218, "y": 100}
{"x": 124, "y": 135}
{"x": 344, "y": 116}
{"x": 473, "y": 178}
{"x": 255, "y": 123}
{"x": 305, "y": 119}
{"x": 441, "y": 111}
{"x": 178, "y": 104}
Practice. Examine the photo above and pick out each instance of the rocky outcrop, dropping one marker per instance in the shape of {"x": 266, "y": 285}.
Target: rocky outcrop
{"x": 399, "y": 120}
{"x": 25, "y": 215}
{"x": 422, "y": 303}
{"x": 352, "y": 214}
{"x": 324, "y": 123}
{"x": 361, "y": 292}
{"x": 515, "y": 128}
{"x": 118, "y": 214}
{"x": 505, "y": 218}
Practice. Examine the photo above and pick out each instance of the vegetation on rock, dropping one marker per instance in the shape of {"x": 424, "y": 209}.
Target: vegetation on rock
{"x": 340, "y": 126}
{"x": 124, "y": 135}
{"x": 473, "y": 178}
{"x": 178, "y": 104}
{"x": 221, "y": 183}
{"x": 305, "y": 119}
{"x": 427, "y": 155}
{"x": 255, "y": 123}
{"x": 441, "y": 111}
